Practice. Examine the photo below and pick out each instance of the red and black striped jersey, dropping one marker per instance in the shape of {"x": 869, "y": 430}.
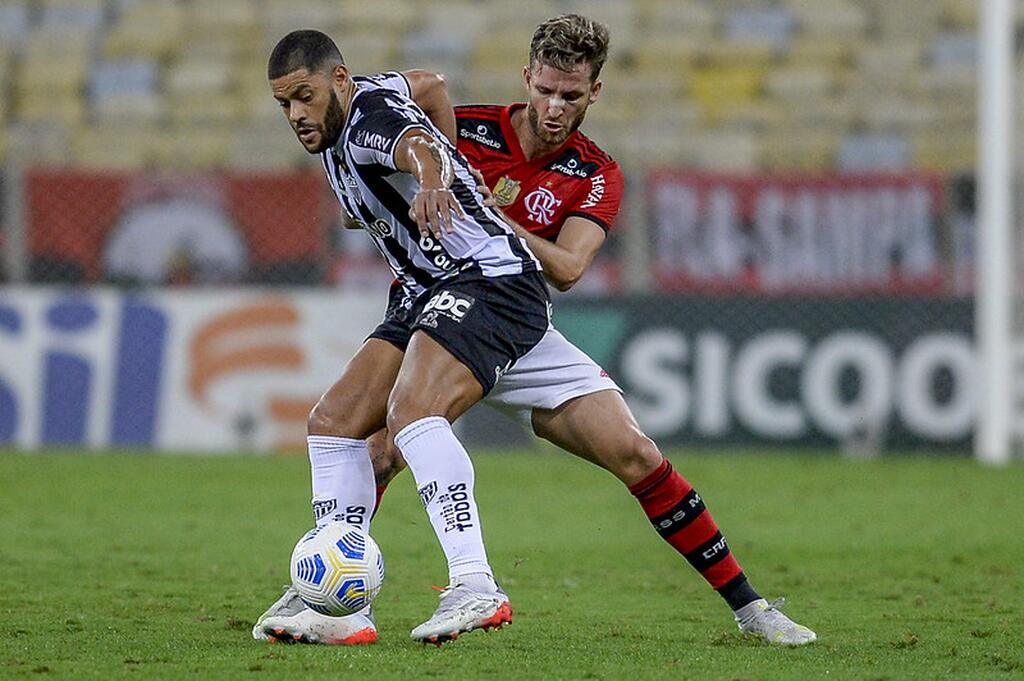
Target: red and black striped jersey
{"x": 577, "y": 179}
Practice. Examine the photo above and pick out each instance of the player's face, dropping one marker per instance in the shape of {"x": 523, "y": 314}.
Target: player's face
{"x": 311, "y": 103}
{"x": 558, "y": 100}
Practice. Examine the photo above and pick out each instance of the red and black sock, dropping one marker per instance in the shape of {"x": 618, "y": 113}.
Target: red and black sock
{"x": 680, "y": 517}
{"x": 380, "y": 494}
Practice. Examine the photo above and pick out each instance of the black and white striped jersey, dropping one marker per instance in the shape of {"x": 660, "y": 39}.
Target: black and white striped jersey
{"x": 361, "y": 170}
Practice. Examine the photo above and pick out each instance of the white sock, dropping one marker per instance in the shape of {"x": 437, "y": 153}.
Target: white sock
{"x": 343, "y": 485}
{"x": 444, "y": 477}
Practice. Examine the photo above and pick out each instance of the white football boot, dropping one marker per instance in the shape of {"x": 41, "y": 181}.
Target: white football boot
{"x": 289, "y": 620}
{"x": 464, "y": 608}
{"x": 764, "y": 620}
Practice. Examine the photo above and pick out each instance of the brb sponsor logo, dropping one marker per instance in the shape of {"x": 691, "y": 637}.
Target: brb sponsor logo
{"x": 541, "y": 204}
{"x": 80, "y": 369}
{"x": 451, "y": 305}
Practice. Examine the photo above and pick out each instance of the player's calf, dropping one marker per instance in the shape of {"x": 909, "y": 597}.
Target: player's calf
{"x": 679, "y": 515}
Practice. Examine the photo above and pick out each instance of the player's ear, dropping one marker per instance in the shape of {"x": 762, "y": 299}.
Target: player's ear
{"x": 595, "y": 91}
{"x": 339, "y": 75}
{"x": 527, "y": 76}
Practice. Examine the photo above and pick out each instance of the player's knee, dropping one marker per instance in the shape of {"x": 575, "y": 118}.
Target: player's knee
{"x": 641, "y": 458}
{"x": 323, "y": 420}
{"x": 402, "y": 410}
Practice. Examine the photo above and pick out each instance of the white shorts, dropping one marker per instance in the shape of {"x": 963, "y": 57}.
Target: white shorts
{"x": 553, "y": 372}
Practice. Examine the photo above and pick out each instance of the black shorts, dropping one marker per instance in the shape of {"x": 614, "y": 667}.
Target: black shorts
{"x": 487, "y": 323}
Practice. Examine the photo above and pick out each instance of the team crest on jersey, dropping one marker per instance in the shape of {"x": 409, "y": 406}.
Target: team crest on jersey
{"x": 541, "y": 204}
{"x": 506, "y": 191}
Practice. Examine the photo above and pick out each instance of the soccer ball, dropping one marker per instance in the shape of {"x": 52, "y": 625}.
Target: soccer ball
{"x": 337, "y": 569}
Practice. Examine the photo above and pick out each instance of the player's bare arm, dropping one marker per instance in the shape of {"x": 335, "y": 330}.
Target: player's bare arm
{"x": 568, "y": 257}
{"x": 429, "y": 162}
{"x": 430, "y": 92}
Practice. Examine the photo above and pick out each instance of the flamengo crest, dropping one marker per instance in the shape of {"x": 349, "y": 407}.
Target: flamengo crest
{"x": 541, "y": 204}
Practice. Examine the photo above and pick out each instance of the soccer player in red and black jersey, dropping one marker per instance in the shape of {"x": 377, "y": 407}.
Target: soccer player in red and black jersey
{"x": 560, "y": 190}
{"x": 561, "y": 193}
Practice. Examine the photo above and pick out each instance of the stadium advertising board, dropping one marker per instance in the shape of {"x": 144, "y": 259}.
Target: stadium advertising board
{"x": 239, "y": 369}
{"x": 222, "y": 227}
{"x": 877, "y": 233}
{"x": 817, "y": 371}
{"x": 224, "y": 371}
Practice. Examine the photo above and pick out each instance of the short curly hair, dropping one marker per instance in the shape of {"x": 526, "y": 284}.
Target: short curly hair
{"x": 569, "y": 40}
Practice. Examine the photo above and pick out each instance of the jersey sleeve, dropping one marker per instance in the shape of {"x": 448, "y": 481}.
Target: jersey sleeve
{"x": 385, "y": 118}
{"x": 600, "y": 199}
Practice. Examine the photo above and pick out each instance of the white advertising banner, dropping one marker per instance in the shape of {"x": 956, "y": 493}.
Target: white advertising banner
{"x": 175, "y": 370}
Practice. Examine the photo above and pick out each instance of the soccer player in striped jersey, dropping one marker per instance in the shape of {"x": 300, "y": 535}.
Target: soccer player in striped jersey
{"x": 469, "y": 303}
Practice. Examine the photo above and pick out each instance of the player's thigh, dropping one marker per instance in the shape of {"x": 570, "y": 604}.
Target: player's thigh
{"x": 600, "y": 428}
{"x": 356, "y": 405}
{"x": 431, "y": 382}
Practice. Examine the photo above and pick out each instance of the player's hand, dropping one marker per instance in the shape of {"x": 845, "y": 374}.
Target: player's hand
{"x": 432, "y": 210}
{"x": 482, "y": 188}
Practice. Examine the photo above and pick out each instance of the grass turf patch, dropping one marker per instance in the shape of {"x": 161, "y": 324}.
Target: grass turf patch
{"x": 121, "y": 565}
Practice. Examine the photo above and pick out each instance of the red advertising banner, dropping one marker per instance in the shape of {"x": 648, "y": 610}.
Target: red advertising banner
{"x": 86, "y": 226}
{"x": 877, "y": 233}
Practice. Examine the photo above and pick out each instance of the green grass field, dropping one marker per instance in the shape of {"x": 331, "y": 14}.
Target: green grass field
{"x": 155, "y": 567}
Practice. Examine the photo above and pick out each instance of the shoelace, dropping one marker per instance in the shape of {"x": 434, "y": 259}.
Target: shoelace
{"x": 777, "y": 617}
{"x": 454, "y": 604}
{"x": 771, "y": 610}
{"x": 294, "y": 602}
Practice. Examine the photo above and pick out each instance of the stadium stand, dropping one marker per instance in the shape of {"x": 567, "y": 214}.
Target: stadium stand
{"x": 874, "y": 79}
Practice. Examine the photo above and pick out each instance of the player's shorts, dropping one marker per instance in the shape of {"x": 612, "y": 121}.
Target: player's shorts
{"x": 487, "y": 323}
{"x": 547, "y": 375}
{"x": 552, "y": 373}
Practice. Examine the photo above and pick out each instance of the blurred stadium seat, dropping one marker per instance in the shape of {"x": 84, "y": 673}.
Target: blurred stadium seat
{"x": 737, "y": 86}
{"x": 859, "y": 66}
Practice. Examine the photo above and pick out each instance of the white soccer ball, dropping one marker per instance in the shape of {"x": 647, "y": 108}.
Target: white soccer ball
{"x": 337, "y": 569}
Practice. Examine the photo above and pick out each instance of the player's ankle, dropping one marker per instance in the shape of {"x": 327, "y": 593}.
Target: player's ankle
{"x": 738, "y": 593}
{"x": 478, "y": 581}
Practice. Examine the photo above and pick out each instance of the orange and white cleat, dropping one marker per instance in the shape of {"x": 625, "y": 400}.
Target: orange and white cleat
{"x": 290, "y": 621}
{"x": 462, "y": 609}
